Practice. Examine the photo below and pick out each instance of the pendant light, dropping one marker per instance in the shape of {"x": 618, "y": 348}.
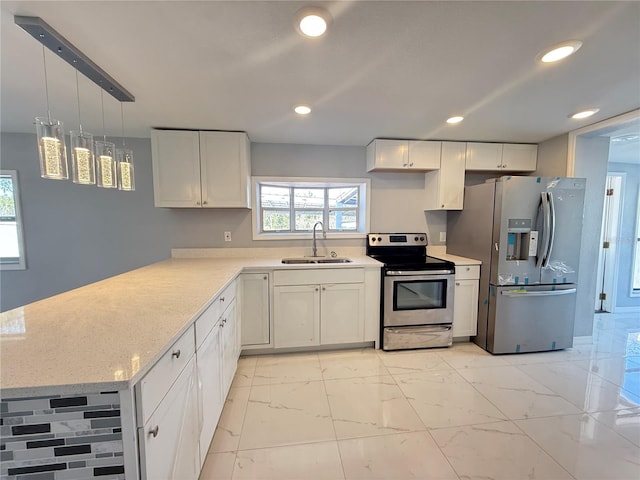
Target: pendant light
{"x": 105, "y": 157}
{"x": 124, "y": 155}
{"x": 82, "y": 159}
{"x": 51, "y": 146}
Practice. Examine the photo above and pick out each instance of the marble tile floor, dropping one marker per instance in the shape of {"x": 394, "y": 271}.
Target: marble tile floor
{"x": 457, "y": 413}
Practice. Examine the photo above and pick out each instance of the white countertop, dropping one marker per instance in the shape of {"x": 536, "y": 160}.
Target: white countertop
{"x": 456, "y": 259}
{"x": 107, "y": 335}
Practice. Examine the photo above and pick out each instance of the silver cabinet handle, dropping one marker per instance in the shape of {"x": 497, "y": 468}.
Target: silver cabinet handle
{"x": 411, "y": 164}
{"x": 324, "y": 288}
{"x": 264, "y": 278}
{"x": 316, "y": 289}
{"x": 222, "y": 299}
{"x": 197, "y": 203}
{"x": 539, "y": 293}
{"x": 154, "y": 431}
{"x": 457, "y": 284}
{"x": 176, "y": 354}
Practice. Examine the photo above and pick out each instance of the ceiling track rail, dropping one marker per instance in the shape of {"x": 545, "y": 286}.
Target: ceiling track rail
{"x": 46, "y": 35}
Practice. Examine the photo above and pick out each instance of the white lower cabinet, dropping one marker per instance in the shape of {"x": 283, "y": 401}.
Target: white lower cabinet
{"x": 254, "y": 309}
{"x": 230, "y": 346}
{"x": 169, "y": 439}
{"x": 342, "y": 313}
{"x": 296, "y": 319}
{"x": 308, "y": 310}
{"x": 211, "y": 399}
{"x": 465, "y": 304}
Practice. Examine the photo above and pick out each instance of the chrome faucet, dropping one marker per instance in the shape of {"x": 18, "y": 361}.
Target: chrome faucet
{"x": 324, "y": 235}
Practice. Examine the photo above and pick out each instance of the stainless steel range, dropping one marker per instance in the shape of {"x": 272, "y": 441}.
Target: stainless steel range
{"x": 417, "y": 292}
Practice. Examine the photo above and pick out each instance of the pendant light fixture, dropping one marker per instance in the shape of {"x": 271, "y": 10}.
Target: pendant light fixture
{"x": 124, "y": 155}
{"x": 82, "y": 159}
{"x": 51, "y": 145}
{"x": 105, "y": 157}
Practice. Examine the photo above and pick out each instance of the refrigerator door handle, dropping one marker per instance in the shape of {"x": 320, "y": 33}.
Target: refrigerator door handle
{"x": 552, "y": 229}
{"x": 537, "y": 293}
{"x": 544, "y": 247}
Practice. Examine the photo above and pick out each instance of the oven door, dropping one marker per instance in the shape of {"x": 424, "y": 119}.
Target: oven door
{"x": 418, "y": 298}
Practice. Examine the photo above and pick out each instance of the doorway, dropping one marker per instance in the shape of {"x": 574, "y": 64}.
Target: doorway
{"x": 609, "y": 238}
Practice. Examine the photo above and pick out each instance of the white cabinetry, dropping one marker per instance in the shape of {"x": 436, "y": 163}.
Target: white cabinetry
{"x": 313, "y": 307}
{"x": 206, "y": 169}
{"x": 167, "y": 400}
{"x": 254, "y": 310}
{"x": 415, "y": 155}
{"x": 501, "y": 157}
{"x": 465, "y": 305}
{"x": 444, "y": 188}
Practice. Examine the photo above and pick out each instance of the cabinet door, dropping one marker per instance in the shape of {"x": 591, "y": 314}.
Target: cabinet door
{"x": 519, "y": 157}
{"x": 210, "y": 402}
{"x": 484, "y": 156}
{"x": 342, "y": 313}
{"x": 444, "y": 188}
{"x": 387, "y": 155}
{"x": 465, "y": 308}
{"x": 169, "y": 440}
{"x": 175, "y": 156}
{"x": 225, "y": 166}
{"x": 230, "y": 348}
{"x": 424, "y": 155}
{"x": 296, "y": 315}
{"x": 254, "y": 308}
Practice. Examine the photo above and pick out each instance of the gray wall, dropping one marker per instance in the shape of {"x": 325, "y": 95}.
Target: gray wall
{"x": 552, "y": 157}
{"x": 591, "y": 163}
{"x": 75, "y": 235}
{"x": 627, "y": 238}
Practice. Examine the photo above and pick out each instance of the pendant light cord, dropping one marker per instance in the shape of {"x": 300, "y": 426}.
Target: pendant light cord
{"x": 78, "y": 95}
{"x": 122, "y": 120}
{"x": 104, "y": 132}
{"x": 46, "y": 83}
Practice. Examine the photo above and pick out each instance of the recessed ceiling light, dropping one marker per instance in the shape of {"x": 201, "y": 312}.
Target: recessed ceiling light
{"x": 302, "y": 109}
{"x": 560, "y": 51}
{"x": 455, "y": 119}
{"x": 585, "y": 113}
{"x": 312, "y": 22}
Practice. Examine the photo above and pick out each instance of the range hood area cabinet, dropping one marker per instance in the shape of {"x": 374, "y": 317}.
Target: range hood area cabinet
{"x": 201, "y": 169}
{"x": 401, "y": 155}
{"x": 444, "y": 188}
{"x": 511, "y": 157}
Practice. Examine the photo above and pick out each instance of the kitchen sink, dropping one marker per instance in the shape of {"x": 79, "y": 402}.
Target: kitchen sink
{"x": 294, "y": 261}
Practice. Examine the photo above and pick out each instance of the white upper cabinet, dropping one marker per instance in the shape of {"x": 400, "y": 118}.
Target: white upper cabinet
{"x": 494, "y": 157}
{"x": 388, "y": 155}
{"x": 444, "y": 188}
{"x": 201, "y": 169}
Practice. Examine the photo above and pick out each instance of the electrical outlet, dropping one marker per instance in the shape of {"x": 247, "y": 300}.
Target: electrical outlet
{"x": 443, "y": 236}
{"x": 227, "y": 236}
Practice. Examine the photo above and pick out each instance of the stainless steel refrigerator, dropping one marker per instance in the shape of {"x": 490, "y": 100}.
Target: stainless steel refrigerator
{"x": 526, "y": 231}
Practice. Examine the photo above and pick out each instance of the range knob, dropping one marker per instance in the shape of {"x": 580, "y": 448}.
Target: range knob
{"x": 416, "y": 239}
{"x": 373, "y": 239}
{"x": 422, "y": 239}
{"x": 379, "y": 239}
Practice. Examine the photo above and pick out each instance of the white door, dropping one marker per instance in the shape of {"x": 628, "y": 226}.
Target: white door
{"x": 296, "y": 310}
{"x": 254, "y": 308}
{"x": 225, "y": 164}
{"x": 342, "y": 313}
{"x": 424, "y": 155}
{"x": 484, "y": 156}
{"x": 465, "y": 308}
{"x": 452, "y": 175}
{"x": 170, "y": 437}
{"x": 230, "y": 348}
{"x": 175, "y": 157}
{"x": 209, "y": 361}
{"x": 391, "y": 154}
{"x": 519, "y": 157}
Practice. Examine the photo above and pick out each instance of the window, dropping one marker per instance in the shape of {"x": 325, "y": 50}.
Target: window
{"x": 11, "y": 245}
{"x": 290, "y": 209}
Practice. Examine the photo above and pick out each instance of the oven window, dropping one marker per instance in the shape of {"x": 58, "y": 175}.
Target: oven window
{"x": 419, "y": 294}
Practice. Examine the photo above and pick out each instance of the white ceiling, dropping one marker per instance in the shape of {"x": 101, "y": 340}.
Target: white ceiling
{"x": 385, "y": 69}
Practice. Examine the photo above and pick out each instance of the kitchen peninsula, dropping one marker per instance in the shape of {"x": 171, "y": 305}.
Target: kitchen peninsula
{"x": 95, "y": 371}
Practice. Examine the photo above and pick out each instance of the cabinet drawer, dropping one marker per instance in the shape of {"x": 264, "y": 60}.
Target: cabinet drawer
{"x": 157, "y": 382}
{"x": 317, "y": 276}
{"x": 467, "y": 272}
{"x": 210, "y": 316}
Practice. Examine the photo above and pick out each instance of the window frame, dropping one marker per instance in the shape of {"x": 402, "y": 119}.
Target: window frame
{"x": 362, "y": 211}
{"x": 11, "y": 263}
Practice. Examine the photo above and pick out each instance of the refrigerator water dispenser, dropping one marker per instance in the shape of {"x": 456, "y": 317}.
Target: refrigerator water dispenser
{"x": 519, "y": 238}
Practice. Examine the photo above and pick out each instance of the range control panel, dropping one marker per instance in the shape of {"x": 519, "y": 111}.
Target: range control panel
{"x": 397, "y": 239}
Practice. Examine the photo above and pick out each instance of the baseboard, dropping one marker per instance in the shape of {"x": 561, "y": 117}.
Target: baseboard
{"x": 583, "y": 340}
{"x": 617, "y": 310}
